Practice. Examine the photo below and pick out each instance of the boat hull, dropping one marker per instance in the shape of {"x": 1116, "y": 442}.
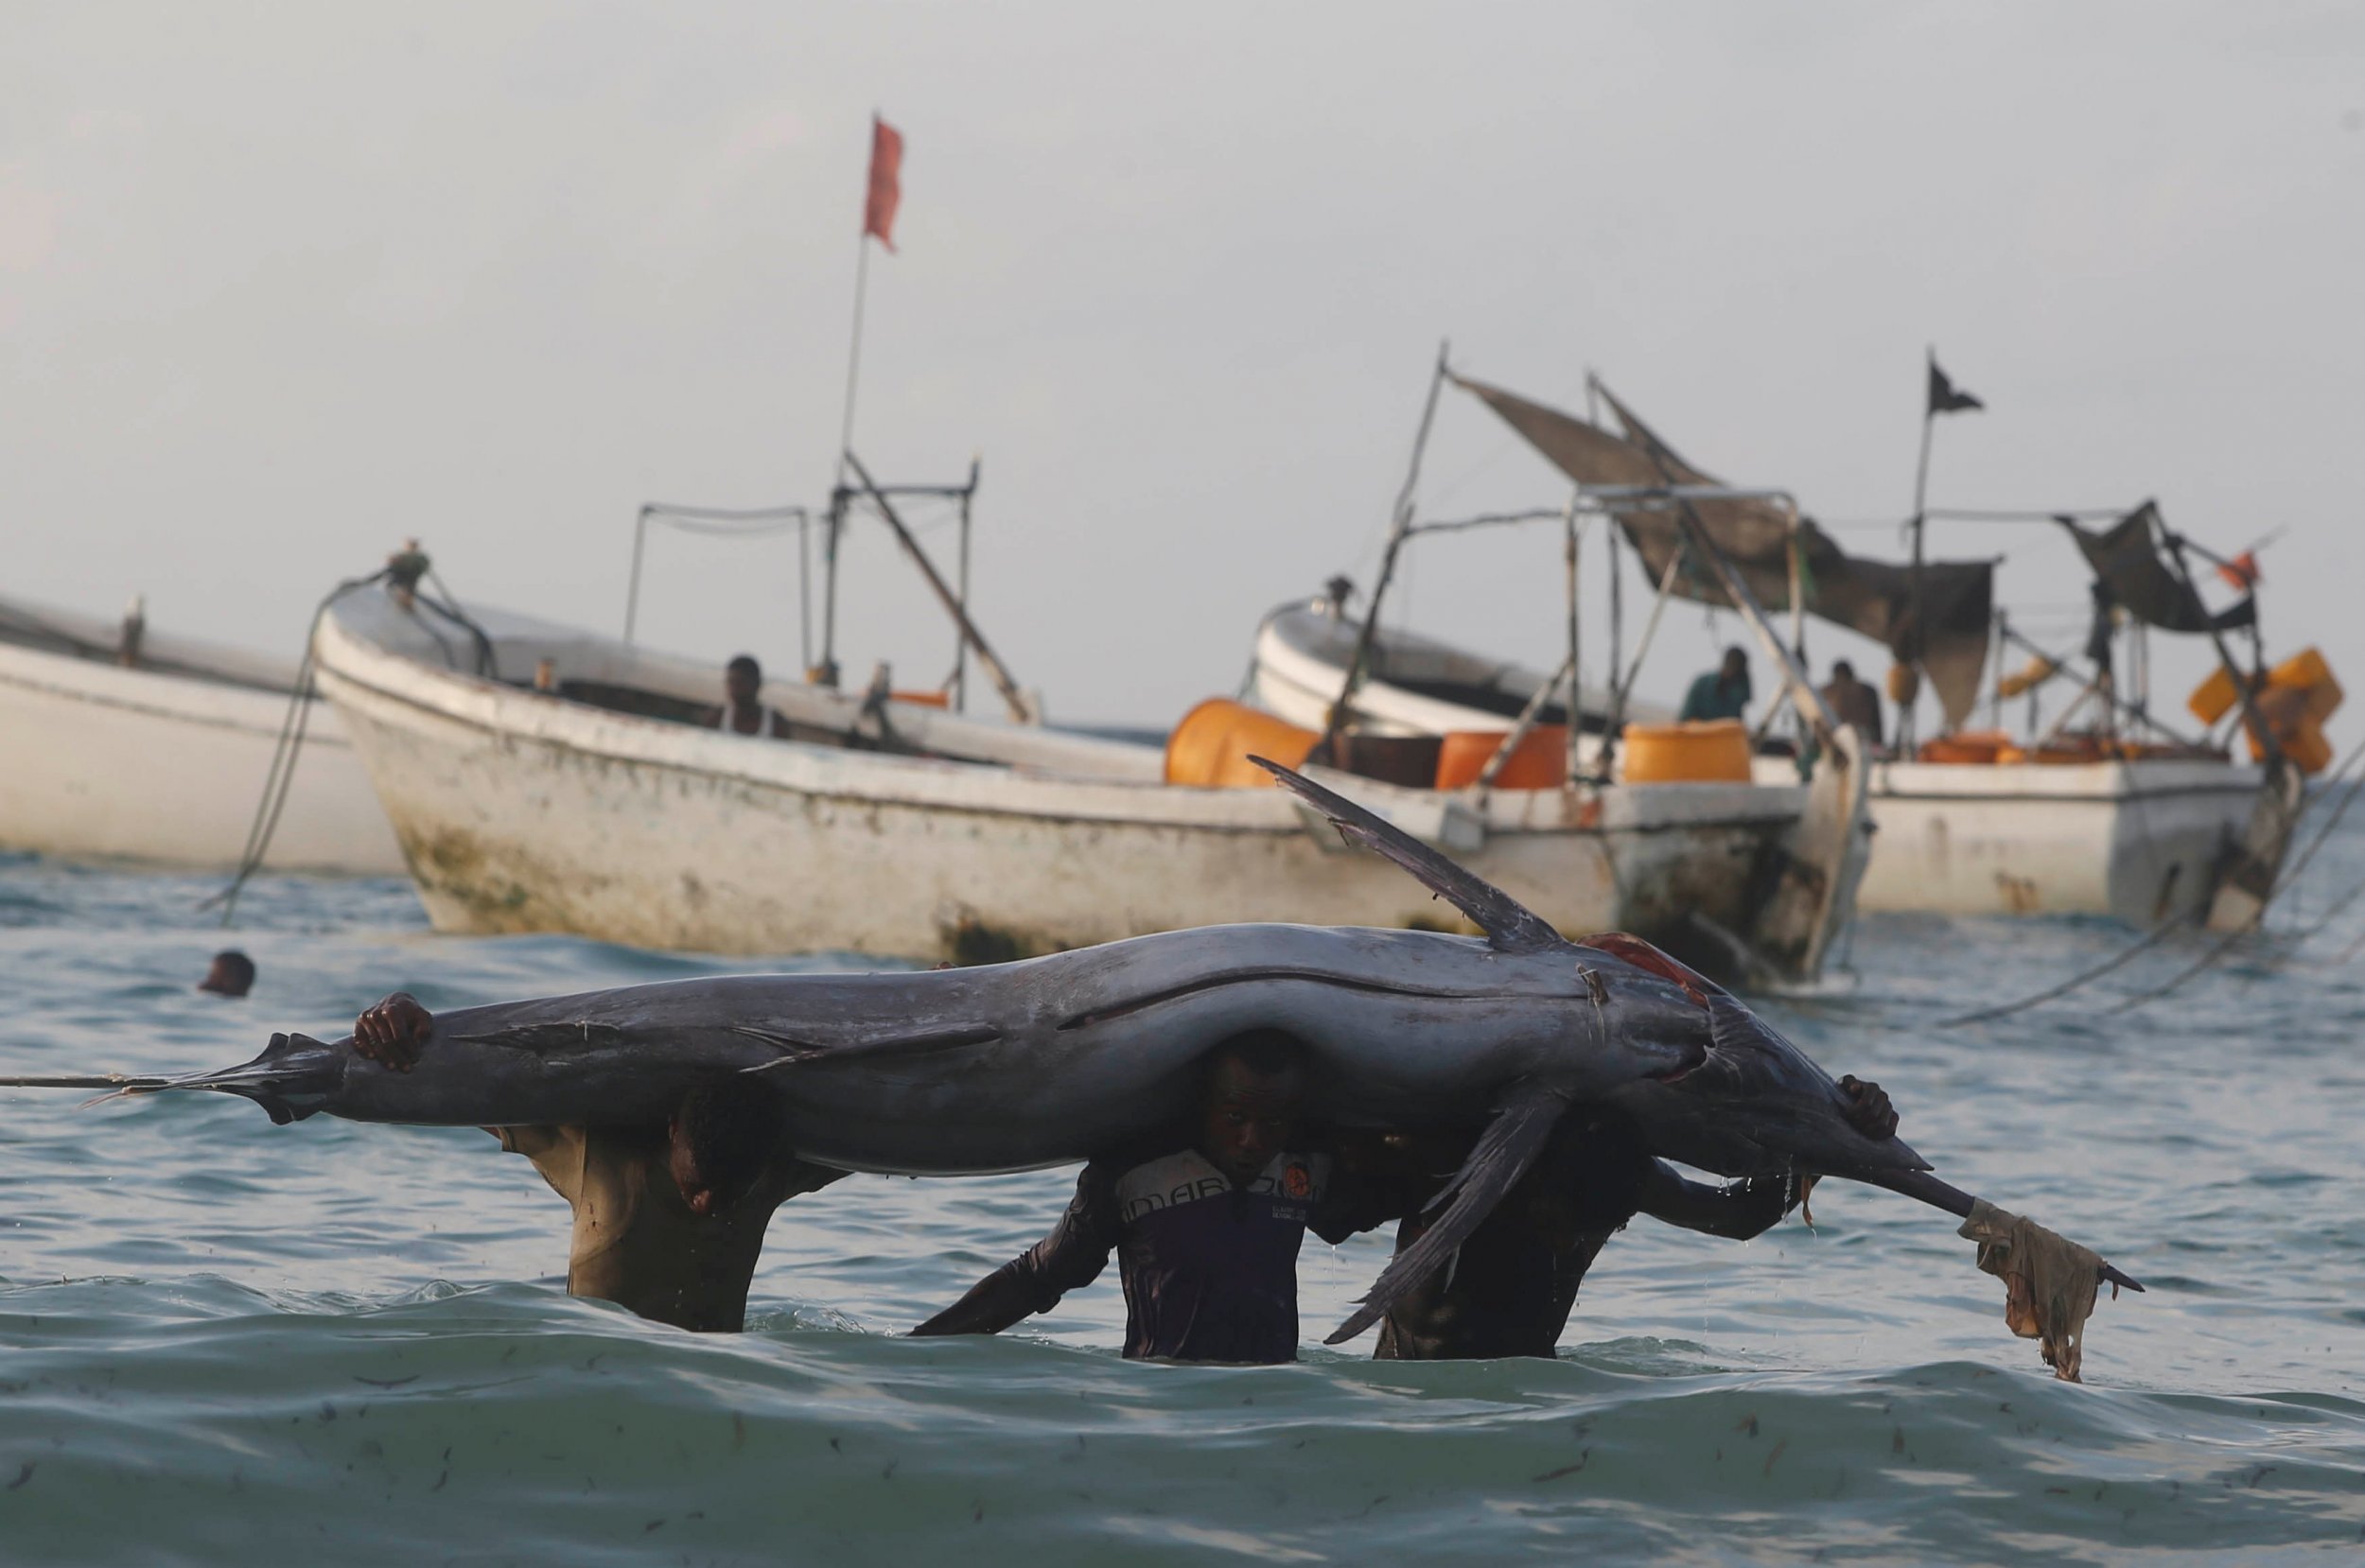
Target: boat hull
{"x": 101, "y": 762}
{"x": 2140, "y": 841}
{"x": 521, "y": 812}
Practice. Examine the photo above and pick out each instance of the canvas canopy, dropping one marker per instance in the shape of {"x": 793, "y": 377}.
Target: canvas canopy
{"x": 1875, "y": 598}
{"x": 2126, "y": 561}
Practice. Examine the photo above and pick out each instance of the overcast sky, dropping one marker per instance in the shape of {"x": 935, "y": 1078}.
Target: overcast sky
{"x": 281, "y": 284}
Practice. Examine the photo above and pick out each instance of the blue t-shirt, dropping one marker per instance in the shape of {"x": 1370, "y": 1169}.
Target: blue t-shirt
{"x": 1710, "y": 698}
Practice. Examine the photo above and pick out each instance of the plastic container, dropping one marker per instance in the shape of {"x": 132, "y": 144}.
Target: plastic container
{"x": 1539, "y": 762}
{"x": 2305, "y": 671}
{"x": 1713, "y": 751}
{"x": 1213, "y": 744}
{"x": 1977, "y": 745}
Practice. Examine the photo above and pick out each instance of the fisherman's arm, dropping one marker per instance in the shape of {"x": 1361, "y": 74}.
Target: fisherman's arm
{"x": 1071, "y": 1256}
{"x": 1741, "y": 1210}
{"x": 393, "y": 1030}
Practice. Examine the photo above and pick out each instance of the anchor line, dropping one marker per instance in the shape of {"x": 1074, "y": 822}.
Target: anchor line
{"x": 2158, "y": 934}
{"x": 294, "y": 725}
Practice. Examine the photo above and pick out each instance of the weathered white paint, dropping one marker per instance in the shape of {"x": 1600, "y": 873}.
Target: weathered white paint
{"x": 2138, "y": 840}
{"x": 98, "y": 761}
{"x": 522, "y": 812}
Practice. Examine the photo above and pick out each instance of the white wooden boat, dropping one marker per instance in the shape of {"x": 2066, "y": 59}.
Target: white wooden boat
{"x": 2142, "y": 839}
{"x": 616, "y": 808}
{"x": 163, "y": 761}
{"x": 1417, "y": 686}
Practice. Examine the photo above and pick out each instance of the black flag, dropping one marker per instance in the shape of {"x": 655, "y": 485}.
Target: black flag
{"x": 1944, "y": 399}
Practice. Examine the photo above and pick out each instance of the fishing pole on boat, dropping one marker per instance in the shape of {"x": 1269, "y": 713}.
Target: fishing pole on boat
{"x": 1399, "y": 529}
{"x": 954, "y": 606}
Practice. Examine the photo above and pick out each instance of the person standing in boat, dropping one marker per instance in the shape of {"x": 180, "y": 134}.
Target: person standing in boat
{"x": 669, "y": 1219}
{"x": 744, "y": 712}
{"x": 1854, "y": 701}
{"x": 1720, "y": 693}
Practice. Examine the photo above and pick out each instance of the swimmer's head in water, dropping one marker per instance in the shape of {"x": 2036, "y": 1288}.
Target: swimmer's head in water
{"x": 719, "y": 1140}
{"x": 1249, "y": 1108}
{"x": 232, "y": 974}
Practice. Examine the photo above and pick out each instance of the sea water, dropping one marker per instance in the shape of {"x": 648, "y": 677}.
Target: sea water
{"x": 227, "y": 1341}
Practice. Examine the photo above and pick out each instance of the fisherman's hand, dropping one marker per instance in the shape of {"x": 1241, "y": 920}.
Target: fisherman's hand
{"x": 391, "y": 1033}
{"x": 1869, "y": 1110}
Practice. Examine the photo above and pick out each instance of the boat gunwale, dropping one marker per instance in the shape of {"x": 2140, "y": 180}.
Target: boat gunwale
{"x": 1238, "y": 812}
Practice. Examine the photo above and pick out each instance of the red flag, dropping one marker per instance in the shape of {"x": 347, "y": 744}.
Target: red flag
{"x": 2242, "y": 571}
{"x": 886, "y": 181}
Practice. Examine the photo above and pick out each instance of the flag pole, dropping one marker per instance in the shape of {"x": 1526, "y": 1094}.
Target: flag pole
{"x": 854, "y": 352}
{"x": 873, "y": 223}
{"x": 825, "y": 673}
{"x": 1905, "y": 725}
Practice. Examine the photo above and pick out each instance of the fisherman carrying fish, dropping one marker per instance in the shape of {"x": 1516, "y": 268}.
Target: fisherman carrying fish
{"x": 1514, "y": 1281}
{"x": 1206, "y": 1223}
{"x": 669, "y": 1220}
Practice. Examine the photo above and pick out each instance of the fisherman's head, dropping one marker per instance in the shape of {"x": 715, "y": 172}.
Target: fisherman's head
{"x": 1842, "y": 670}
{"x": 1248, "y": 1105}
{"x": 743, "y": 678}
{"x": 1736, "y": 664}
{"x": 719, "y": 1140}
{"x": 232, "y": 974}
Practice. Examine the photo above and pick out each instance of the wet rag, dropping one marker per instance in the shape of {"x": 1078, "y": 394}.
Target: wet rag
{"x": 2050, "y": 1282}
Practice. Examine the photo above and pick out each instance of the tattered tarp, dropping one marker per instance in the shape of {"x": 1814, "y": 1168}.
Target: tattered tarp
{"x": 2128, "y": 563}
{"x": 1871, "y": 597}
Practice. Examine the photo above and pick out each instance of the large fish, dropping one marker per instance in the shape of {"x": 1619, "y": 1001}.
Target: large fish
{"x": 1054, "y": 1059}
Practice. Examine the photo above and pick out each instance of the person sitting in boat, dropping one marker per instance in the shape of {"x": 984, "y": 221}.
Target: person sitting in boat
{"x": 1854, "y": 702}
{"x": 1515, "y": 1281}
{"x": 1206, "y": 1223}
{"x": 230, "y": 974}
{"x": 744, "y": 711}
{"x": 1721, "y": 693}
{"x": 668, "y": 1220}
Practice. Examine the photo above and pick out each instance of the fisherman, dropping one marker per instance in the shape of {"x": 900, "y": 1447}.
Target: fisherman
{"x": 230, "y": 974}
{"x": 1720, "y": 693}
{"x": 744, "y": 711}
{"x": 1206, "y": 1223}
{"x": 669, "y": 1220}
{"x": 1854, "y": 702}
{"x": 1512, "y": 1285}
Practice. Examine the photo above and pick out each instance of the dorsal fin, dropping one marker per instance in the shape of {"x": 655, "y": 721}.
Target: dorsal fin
{"x": 1642, "y": 955}
{"x": 1510, "y": 926}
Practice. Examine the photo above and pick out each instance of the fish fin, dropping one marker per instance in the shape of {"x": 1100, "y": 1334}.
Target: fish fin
{"x": 795, "y": 1052}
{"x": 1510, "y": 925}
{"x": 549, "y": 1035}
{"x": 1496, "y": 1161}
